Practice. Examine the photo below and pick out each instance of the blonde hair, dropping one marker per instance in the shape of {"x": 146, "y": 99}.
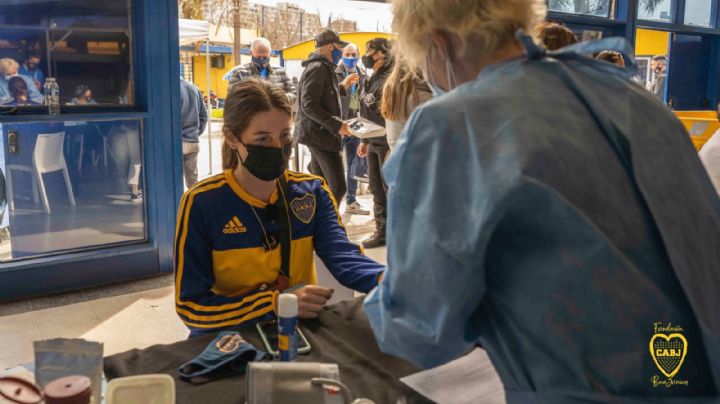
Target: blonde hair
{"x": 399, "y": 87}
{"x": 247, "y": 99}
{"x": 486, "y": 24}
{"x": 8, "y": 64}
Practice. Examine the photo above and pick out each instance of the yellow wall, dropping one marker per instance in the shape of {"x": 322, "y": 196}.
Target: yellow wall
{"x": 303, "y": 49}
{"x": 650, "y": 43}
{"x": 219, "y": 85}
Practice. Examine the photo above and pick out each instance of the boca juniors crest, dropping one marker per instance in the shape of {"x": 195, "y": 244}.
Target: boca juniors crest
{"x": 304, "y": 208}
{"x": 668, "y": 348}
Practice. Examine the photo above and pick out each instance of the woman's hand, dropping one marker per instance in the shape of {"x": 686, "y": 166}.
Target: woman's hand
{"x": 311, "y": 300}
{"x": 362, "y": 150}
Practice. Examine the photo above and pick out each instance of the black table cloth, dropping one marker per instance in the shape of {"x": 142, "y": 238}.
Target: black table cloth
{"x": 340, "y": 335}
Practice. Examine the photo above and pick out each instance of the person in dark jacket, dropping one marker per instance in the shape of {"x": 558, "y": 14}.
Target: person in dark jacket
{"x": 260, "y": 68}
{"x": 353, "y": 77}
{"x": 378, "y": 58}
{"x": 319, "y": 123}
{"x": 194, "y": 118}
{"x": 659, "y": 67}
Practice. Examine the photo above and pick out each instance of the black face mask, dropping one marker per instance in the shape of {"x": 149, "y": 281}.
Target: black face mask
{"x": 368, "y": 61}
{"x": 267, "y": 163}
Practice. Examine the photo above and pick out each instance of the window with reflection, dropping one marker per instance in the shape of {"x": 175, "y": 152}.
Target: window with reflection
{"x": 599, "y": 8}
{"x": 698, "y": 12}
{"x": 644, "y": 70}
{"x": 70, "y": 185}
{"x": 655, "y": 10}
{"x": 85, "y": 45}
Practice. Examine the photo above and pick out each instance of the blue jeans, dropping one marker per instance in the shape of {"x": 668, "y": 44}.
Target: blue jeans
{"x": 350, "y": 144}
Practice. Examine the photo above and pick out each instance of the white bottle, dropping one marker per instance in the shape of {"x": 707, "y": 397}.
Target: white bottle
{"x": 52, "y": 96}
{"x": 287, "y": 327}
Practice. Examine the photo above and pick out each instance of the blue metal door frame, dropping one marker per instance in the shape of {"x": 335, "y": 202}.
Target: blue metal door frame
{"x": 688, "y": 72}
{"x": 155, "y": 63}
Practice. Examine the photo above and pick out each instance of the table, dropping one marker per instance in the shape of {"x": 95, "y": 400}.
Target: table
{"x": 340, "y": 335}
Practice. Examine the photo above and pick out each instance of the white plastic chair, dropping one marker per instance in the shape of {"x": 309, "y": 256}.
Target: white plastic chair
{"x": 48, "y": 157}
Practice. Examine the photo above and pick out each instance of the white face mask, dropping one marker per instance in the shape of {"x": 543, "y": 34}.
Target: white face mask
{"x": 8, "y": 77}
{"x": 450, "y": 77}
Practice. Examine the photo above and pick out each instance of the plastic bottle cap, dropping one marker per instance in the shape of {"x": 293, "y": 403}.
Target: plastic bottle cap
{"x": 287, "y": 305}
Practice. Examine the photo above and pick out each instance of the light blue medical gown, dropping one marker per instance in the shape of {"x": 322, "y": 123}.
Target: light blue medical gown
{"x": 552, "y": 211}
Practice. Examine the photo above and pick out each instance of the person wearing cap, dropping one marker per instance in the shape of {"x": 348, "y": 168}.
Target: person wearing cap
{"x": 260, "y": 68}
{"x": 319, "y": 123}
{"x": 377, "y": 57}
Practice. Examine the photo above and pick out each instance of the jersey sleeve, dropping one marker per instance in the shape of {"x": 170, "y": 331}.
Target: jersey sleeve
{"x": 345, "y": 260}
{"x": 195, "y": 302}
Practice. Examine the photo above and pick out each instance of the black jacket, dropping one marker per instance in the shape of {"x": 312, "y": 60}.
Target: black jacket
{"x": 318, "y": 120}
{"x": 342, "y": 73}
{"x": 371, "y": 100}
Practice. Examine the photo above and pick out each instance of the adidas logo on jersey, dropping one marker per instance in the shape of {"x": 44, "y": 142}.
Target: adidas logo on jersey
{"x": 234, "y": 226}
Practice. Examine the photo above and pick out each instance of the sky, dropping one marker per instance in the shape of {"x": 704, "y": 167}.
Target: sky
{"x": 369, "y": 16}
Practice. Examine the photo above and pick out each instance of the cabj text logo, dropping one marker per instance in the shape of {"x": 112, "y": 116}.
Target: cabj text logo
{"x": 668, "y": 348}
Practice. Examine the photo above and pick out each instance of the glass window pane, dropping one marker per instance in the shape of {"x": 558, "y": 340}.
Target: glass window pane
{"x": 656, "y": 10}
{"x": 698, "y": 12}
{"x": 84, "y": 45}
{"x": 599, "y": 8}
{"x": 643, "y": 65}
{"x": 69, "y": 185}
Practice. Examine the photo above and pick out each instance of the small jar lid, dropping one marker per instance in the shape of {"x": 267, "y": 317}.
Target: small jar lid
{"x": 20, "y": 391}
{"x": 287, "y": 305}
{"x": 74, "y": 389}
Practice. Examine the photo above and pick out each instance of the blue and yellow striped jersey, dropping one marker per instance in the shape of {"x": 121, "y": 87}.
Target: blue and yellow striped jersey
{"x": 224, "y": 275}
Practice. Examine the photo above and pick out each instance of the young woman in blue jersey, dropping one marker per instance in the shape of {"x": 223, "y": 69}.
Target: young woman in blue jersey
{"x": 234, "y": 228}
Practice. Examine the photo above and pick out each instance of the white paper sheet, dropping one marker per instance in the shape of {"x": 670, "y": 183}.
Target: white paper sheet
{"x": 468, "y": 380}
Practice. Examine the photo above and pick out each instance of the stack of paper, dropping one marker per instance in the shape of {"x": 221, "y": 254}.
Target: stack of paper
{"x": 469, "y": 380}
